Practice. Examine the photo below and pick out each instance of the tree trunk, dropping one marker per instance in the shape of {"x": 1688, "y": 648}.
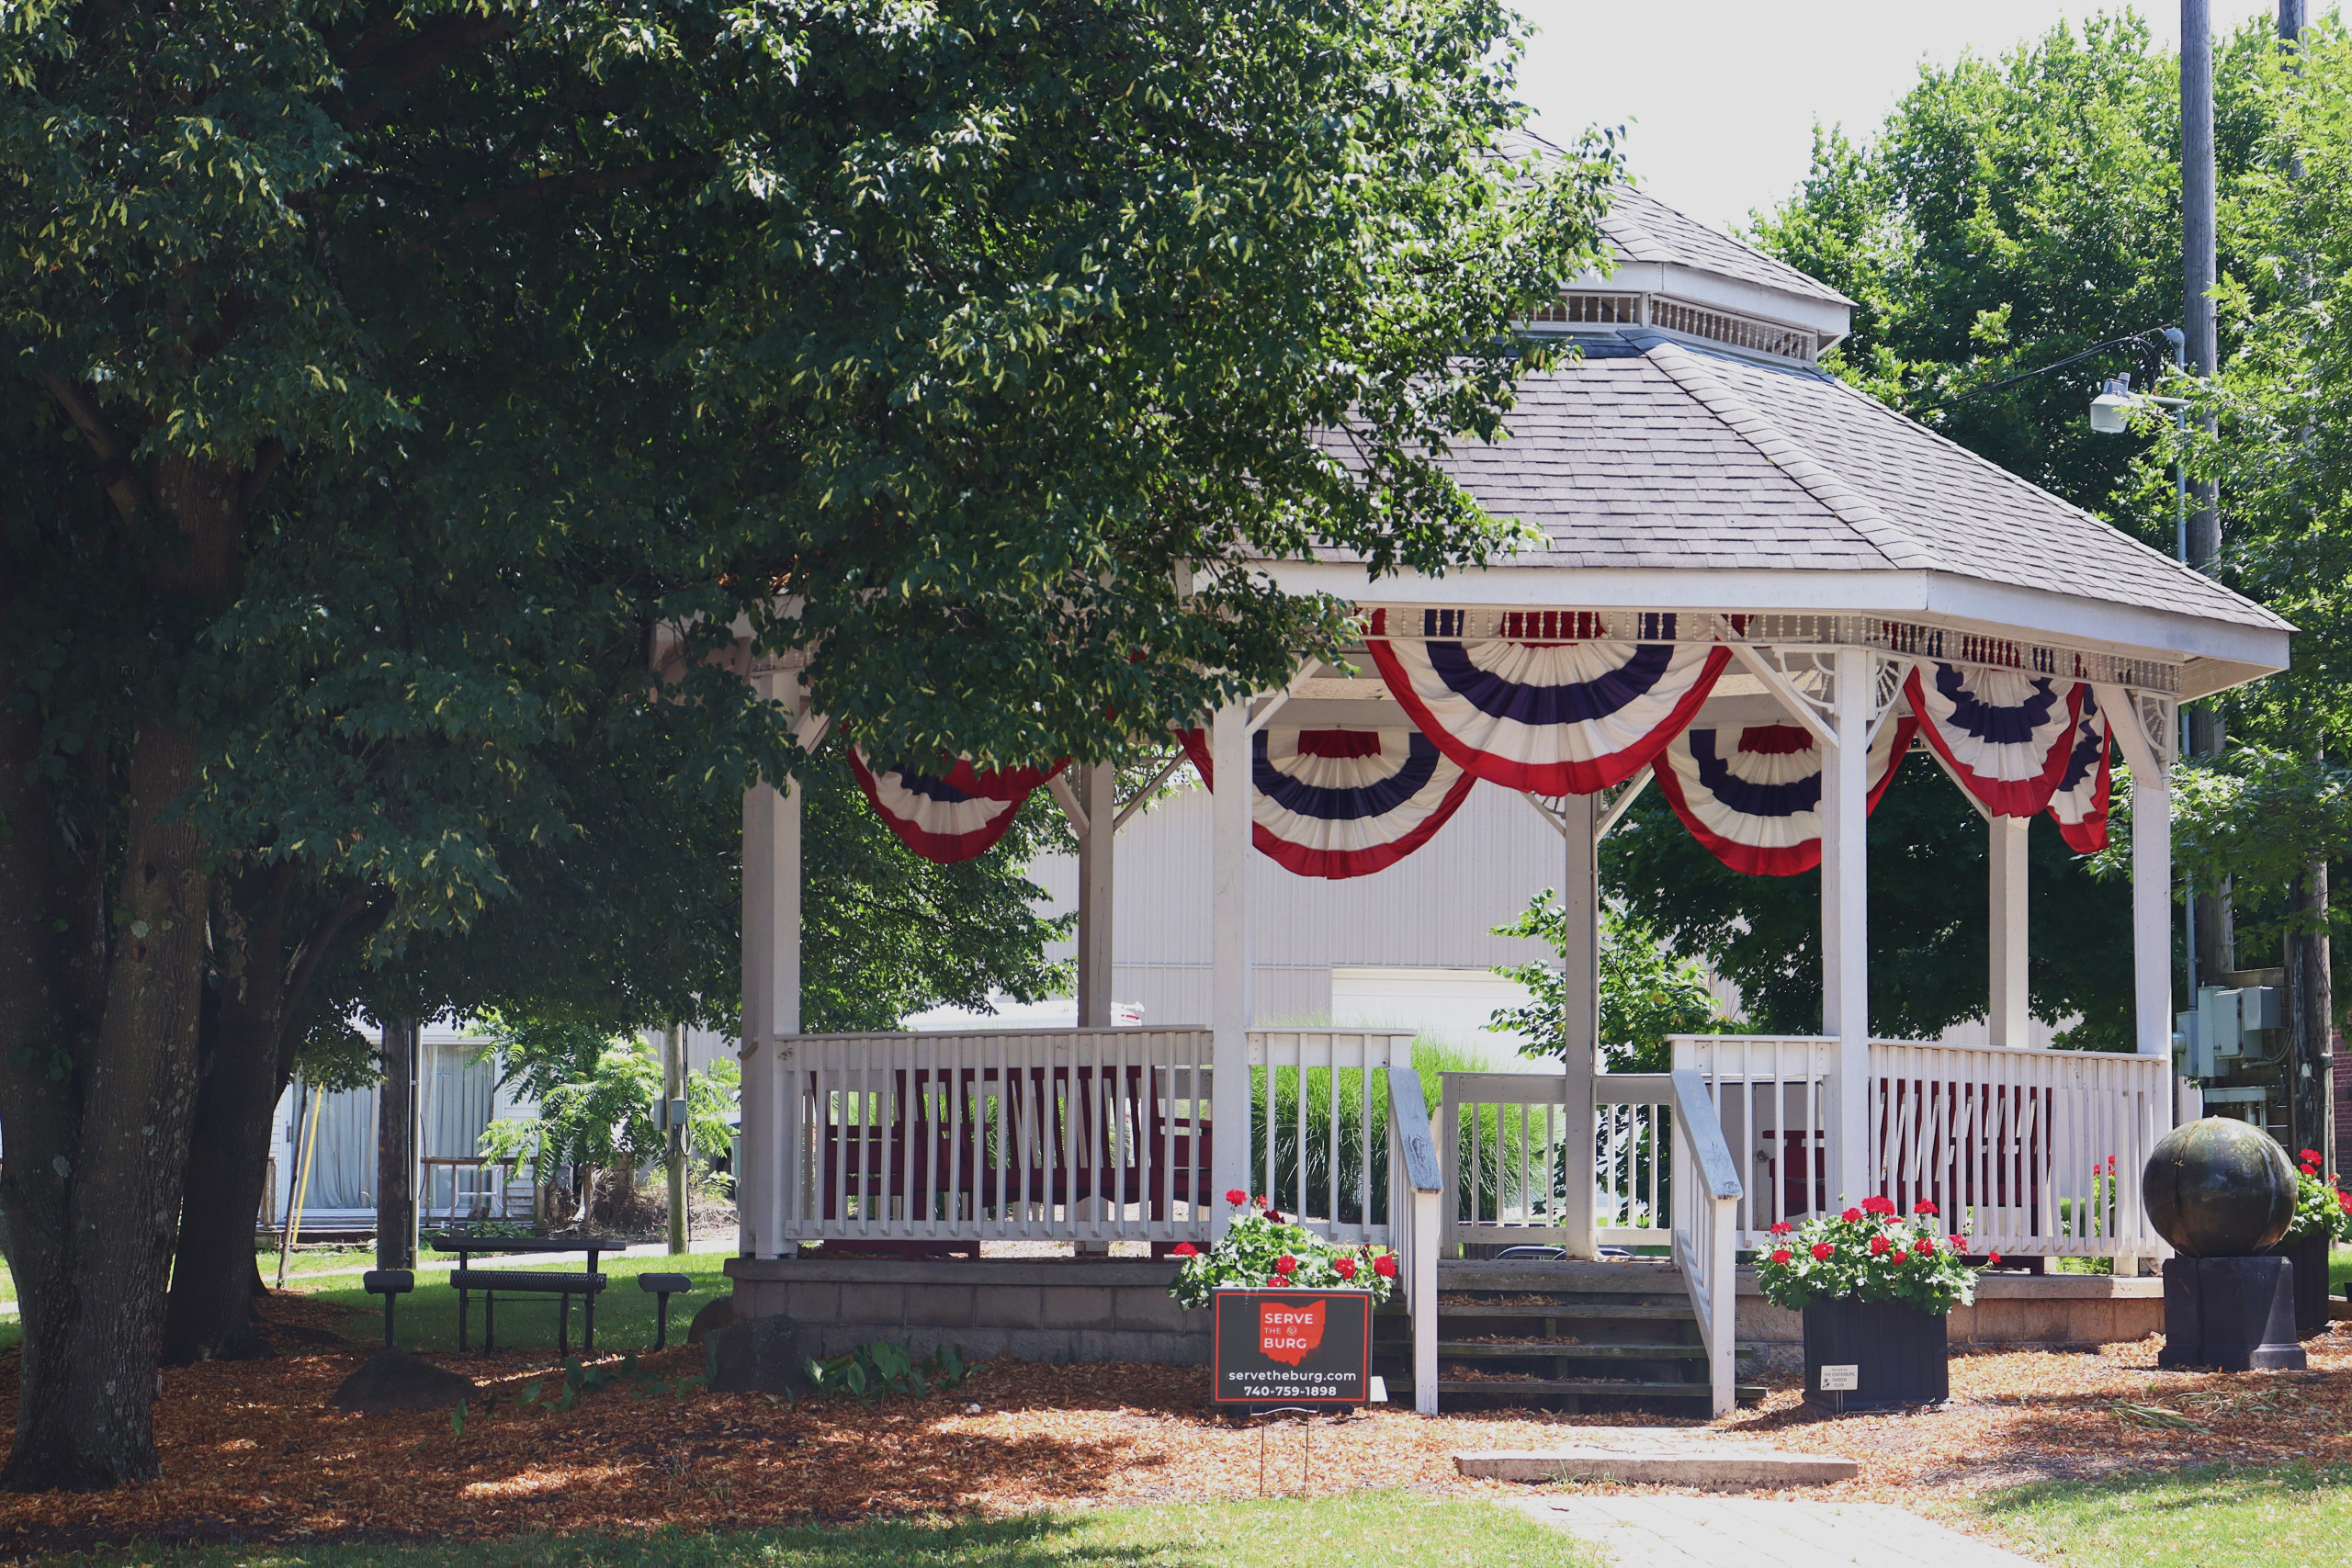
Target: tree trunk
{"x": 2311, "y": 1003}
{"x": 396, "y": 1147}
{"x": 101, "y": 976}
{"x": 211, "y": 1313}
{"x": 92, "y": 1290}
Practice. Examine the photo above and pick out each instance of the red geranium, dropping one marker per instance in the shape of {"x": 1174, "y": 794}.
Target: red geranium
{"x": 1877, "y": 1205}
{"x": 1784, "y": 1228}
{"x": 1183, "y": 1249}
{"x": 1993, "y": 1258}
{"x": 1850, "y": 1215}
{"x": 1385, "y": 1266}
{"x": 1264, "y": 1201}
{"x": 1285, "y": 1265}
{"x": 1345, "y": 1268}
{"x": 1924, "y": 1207}
{"x": 1780, "y": 1255}
{"x": 1237, "y": 1197}
{"x": 1877, "y": 1245}
{"x": 1822, "y": 1251}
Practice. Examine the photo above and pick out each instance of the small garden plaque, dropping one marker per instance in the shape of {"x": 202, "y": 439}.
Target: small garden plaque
{"x": 1293, "y": 1348}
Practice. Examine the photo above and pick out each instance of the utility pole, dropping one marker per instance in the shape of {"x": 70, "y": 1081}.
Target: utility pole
{"x": 2310, "y": 991}
{"x": 2213, "y": 923}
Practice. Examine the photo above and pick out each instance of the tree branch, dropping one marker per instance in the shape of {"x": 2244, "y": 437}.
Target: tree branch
{"x": 116, "y": 472}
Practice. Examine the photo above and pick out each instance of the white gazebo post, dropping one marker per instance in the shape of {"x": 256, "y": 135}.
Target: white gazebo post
{"x": 2006, "y": 1016}
{"x": 1098, "y": 801}
{"x": 771, "y": 996}
{"x": 2149, "y": 757}
{"x": 1844, "y": 921}
{"x": 1580, "y": 922}
{"x": 1230, "y": 1004}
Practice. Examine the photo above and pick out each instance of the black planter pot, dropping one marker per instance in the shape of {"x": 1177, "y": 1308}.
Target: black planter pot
{"x": 2310, "y": 1258}
{"x": 1898, "y": 1354}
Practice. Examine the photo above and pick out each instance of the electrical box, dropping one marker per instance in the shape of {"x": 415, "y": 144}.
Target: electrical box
{"x": 2228, "y": 1023}
{"x": 2261, "y": 1006}
{"x": 2217, "y": 1022}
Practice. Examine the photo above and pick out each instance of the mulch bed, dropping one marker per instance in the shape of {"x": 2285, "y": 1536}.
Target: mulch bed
{"x": 250, "y": 1452}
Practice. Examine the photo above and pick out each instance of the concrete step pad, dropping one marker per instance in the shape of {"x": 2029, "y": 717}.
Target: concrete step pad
{"x": 1657, "y": 1456}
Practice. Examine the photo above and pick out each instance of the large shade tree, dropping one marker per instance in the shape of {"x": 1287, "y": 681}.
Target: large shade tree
{"x": 379, "y": 375}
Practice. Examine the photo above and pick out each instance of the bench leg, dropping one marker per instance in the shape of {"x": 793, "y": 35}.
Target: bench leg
{"x": 588, "y": 1323}
{"x": 562, "y": 1324}
{"x": 489, "y": 1322}
{"x": 461, "y": 1321}
{"x": 391, "y": 1300}
{"x": 661, "y": 1320}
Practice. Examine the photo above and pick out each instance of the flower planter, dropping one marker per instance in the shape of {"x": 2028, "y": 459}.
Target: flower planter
{"x": 2310, "y": 1257}
{"x": 1897, "y": 1351}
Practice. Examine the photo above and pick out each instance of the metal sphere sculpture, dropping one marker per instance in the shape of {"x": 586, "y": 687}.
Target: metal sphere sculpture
{"x": 2219, "y": 1189}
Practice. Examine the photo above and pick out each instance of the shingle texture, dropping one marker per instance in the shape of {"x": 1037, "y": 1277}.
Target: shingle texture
{"x": 1642, "y": 228}
{"x": 1653, "y": 452}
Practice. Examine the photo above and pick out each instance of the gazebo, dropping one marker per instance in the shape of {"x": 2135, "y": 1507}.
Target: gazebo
{"x": 1755, "y": 586}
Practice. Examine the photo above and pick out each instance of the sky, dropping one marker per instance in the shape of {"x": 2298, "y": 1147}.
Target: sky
{"x": 1719, "y": 97}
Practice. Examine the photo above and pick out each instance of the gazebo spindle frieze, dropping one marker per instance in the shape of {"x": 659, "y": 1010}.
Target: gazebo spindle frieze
{"x": 1911, "y": 640}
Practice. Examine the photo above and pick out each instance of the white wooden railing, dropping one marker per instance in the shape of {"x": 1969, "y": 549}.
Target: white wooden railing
{"x": 1417, "y": 1224}
{"x": 1773, "y": 1098}
{"x": 2002, "y": 1141}
{"x": 1076, "y": 1134}
{"x": 2033, "y": 1152}
{"x": 1318, "y": 1108}
{"x": 1707, "y": 1196}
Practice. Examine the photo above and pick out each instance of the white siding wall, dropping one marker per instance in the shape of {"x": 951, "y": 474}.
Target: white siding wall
{"x": 1432, "y": 911}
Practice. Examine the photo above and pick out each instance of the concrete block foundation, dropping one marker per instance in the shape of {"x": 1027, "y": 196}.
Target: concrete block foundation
{"x": 2012, "y": 1312}
{"x": 1071, "y": 1309}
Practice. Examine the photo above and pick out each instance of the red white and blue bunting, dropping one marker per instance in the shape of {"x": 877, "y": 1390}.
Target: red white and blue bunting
{"x": 2079, "y": 804}
{"x": 2006, "y": 736}
{"x": 1752, "y": 793}
{"x": 1566, "y": 717}
{"x": 1342, "y": 803}
{"x": 956, "y": 816}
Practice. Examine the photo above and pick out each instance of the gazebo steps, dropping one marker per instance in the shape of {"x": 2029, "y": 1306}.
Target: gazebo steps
{"x": 1577, "y": 1350}
{"x": 1556, "y": 1333}
{"x": 1562, "y": 1389}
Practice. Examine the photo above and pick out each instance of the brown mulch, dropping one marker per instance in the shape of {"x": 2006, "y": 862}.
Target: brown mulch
{"x": 250, "y": 1452}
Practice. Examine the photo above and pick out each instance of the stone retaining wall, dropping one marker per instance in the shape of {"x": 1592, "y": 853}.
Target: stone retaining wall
{"x": 1076, "y": 1309}
{"x": 2026, "y": 1311}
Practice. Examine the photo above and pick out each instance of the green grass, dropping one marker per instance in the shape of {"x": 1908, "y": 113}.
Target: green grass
{"x": 1366, "y": 1528}
{"x": 2216, "y": 1517}
{"x": 427, "y": 1318}
{"x": 2339, "y": 1270}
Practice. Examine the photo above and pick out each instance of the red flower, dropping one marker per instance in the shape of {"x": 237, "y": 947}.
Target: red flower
{"x": 1993, "y": 1258}
{"x": 1275, "y": 1215}
{"x": 2111, "y": 1165}
{"x": 1183, "y": 1249}
{"x": 1877, "y": 1245}
{"x": 1851, "y": 1215}
{"x": 1877, "y": 1205}
{"x": 2311, "y": 1155}
{"x": 1822, "y": 1251}
{"x": 1237, "y": 1197}
{"x": 1345, "y": 1268}
{"x": 1285, "y": 1265}
{"x": 1784, "y": 1228}
{"x": 1385, "y": 1266}
{"x": 1924, "y": 1207}
{"x": 1780, "y": 1255}
{"x": 1263, "y": 1201}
